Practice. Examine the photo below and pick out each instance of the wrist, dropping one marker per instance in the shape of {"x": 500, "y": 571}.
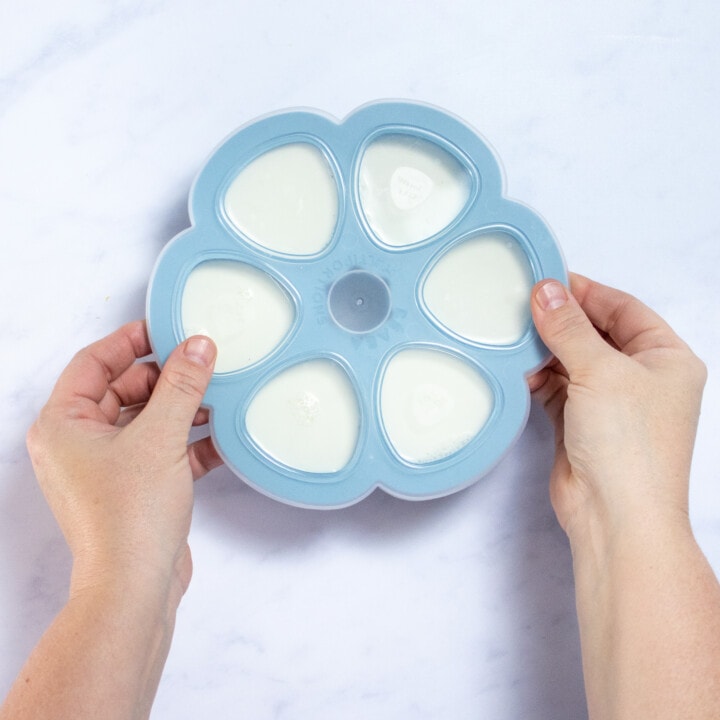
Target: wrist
{"x": 647, "y": 605}
{"x": 594, "y": 507}
{"x": 152, "y": 583}
{"x": 599, "y": 534}
{"x": 103, "y": 654}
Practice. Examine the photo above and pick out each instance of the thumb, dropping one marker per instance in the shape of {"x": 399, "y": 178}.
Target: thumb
{"x": 565, "y": 328}
{"x": 182, "y": 383}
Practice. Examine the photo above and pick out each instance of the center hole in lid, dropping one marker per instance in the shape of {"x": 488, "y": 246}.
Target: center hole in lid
{"x": 359, "y": 301}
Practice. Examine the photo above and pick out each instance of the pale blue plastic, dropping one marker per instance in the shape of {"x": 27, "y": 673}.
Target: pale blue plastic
{"x": 363, "y": 355}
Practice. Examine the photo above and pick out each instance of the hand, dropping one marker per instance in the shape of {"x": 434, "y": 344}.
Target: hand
{"x": 624, "y": 395}
{"x": 111, "y": 455}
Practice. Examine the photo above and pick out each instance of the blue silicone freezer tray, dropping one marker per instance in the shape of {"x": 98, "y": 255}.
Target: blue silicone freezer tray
{"x": 358, "y": 260}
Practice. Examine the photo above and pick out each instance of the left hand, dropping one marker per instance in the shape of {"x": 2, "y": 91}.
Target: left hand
{"x": 111, "y": 454}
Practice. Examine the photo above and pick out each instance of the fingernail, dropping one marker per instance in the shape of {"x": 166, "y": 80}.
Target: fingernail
{"x": 551, "y": 295}
{"x": 200, "y": 350}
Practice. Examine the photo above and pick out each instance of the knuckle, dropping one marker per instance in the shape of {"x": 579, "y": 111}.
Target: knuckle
{"x": 32, "y": 439}
{"x": 39, "y": 435}
{"x": 567, "y": 325}
{"x": 185, "y": 379}
{"x": 689, "y": 366}
{"x": 698, "y": 371}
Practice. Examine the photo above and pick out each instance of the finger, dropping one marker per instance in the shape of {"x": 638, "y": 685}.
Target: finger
{"x": 537, "y": 380}
{"x": 128, "y": 414}
{"x": 127, "y": 396}
{"x": 203, "y": 457}
{"x": 565, "y": 328}
{"x": 132, "y": 388}
{"x": 90, "y": 372}
{"x": 629, "y": 324}
{"x": 551, "y": 391}
{"x": 202, "y": 417}
{"x": 136, "y": 384}
{"x": 181, "y": 385}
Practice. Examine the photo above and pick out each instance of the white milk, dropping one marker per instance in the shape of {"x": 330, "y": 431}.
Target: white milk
{"x": 410, "y": 188}
{"x": 240, "y": 307}
{"x": 432, "y": 404}
{"x": 480, "y": 289}
{"x": 286, "y": 200}
{"x": 307, "y": 417}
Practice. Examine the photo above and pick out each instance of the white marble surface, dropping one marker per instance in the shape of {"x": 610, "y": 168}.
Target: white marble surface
{"x": 605, "y": 117}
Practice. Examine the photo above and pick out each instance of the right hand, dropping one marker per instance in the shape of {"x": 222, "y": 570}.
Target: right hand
{"x": 623, "y": 393}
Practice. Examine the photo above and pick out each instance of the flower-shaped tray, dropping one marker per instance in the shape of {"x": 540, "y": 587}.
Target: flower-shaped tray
{"x": 367, "y": 286}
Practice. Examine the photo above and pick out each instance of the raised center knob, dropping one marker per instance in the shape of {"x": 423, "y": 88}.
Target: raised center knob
{"x": 359, "y": 301}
